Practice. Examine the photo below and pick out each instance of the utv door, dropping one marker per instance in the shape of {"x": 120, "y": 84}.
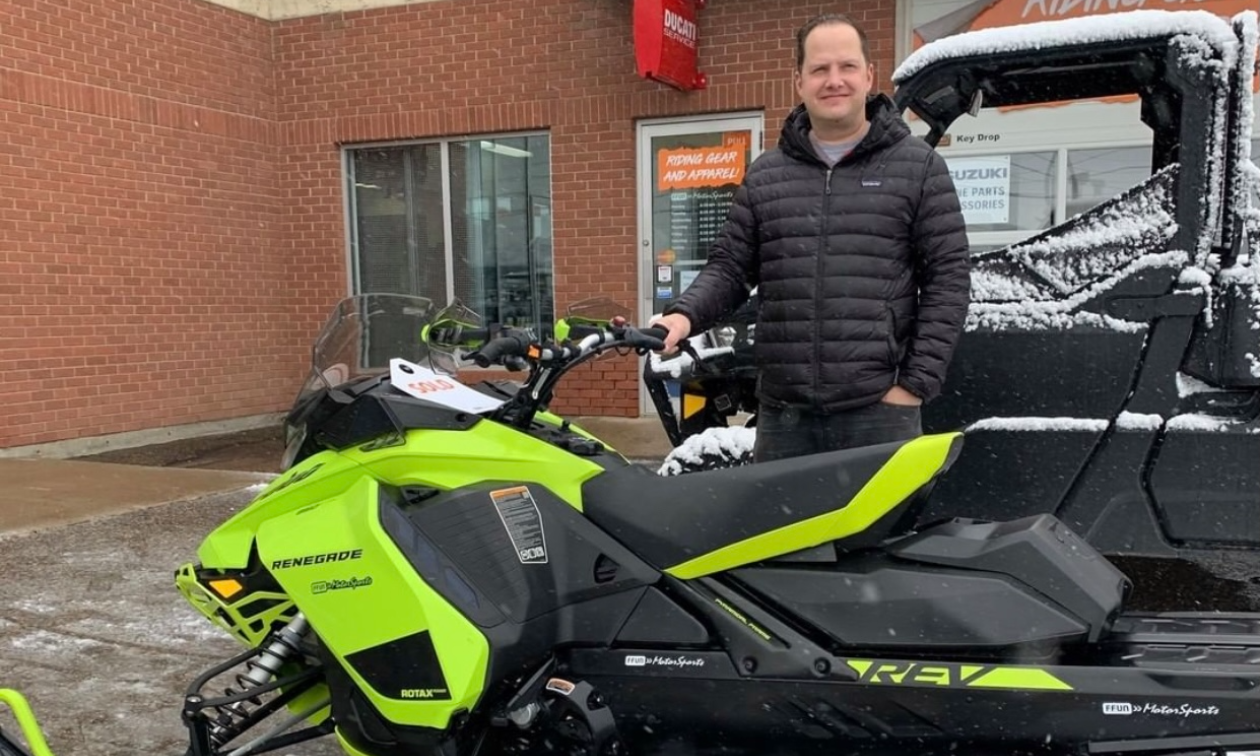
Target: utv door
{"x": 1070, "y": 371}
{"x": 1204, "y": 474}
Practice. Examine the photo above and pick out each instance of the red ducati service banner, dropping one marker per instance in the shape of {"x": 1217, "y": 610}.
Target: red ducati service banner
{"x": 665, "y": 42}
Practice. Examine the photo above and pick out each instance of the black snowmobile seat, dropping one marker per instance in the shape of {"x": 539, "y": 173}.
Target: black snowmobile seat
{"x": 704, "y": 522}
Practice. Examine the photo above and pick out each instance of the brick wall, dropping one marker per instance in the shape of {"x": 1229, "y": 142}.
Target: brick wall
{"x": 171, "y": 198}
{"x": 567, "y": 66}
{"x": 138, "y": 204}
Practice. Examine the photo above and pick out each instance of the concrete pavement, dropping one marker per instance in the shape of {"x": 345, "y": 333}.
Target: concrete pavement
{"x": 95, "y": 635}
{"x": 40, "y": 493}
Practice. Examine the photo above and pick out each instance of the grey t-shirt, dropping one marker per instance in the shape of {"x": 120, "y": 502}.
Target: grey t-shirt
{"x": 831, "y": 153}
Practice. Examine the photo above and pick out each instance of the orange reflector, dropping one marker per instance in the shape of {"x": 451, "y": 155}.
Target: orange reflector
{"x": 226, "y": 588}
{"x": 534, "y": 352}
{"x": 691, "y": 404}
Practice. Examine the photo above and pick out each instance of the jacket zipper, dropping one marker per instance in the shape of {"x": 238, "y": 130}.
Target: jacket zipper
{"x": 818, "y": 303}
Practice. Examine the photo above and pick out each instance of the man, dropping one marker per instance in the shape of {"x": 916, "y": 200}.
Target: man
{"x": 852, "y": 232}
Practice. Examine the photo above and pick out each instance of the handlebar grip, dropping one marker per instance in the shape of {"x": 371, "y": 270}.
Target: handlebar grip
{"x": 497, "y": 349}
{"x": 456, "y": 334}
{"x": 652, "y": 338}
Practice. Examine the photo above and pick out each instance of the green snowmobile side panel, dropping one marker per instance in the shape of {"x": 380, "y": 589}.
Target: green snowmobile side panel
{"x": 911, "y": 467}
{"x": 371, "y": 608}
{"x": 447, "y": 460}
{"x": 316, "y": 478}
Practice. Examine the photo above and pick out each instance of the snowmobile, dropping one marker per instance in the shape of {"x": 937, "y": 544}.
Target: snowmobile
{"x": 1108, "y": 373}
{"x": 446, "y": 567}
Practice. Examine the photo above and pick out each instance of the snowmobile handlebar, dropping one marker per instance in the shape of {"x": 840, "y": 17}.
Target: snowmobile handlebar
{"x": 551, "y": 361}
{"x": 514, "y": 344}
{"x": 518, "y": 344}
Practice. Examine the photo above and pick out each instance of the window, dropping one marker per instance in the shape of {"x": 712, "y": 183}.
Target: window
{"x": 1095, "y": 176}
{"x": 1008, "y": 197}
{"x": 1007, "y": 192}
{"x": 461, "y": 218}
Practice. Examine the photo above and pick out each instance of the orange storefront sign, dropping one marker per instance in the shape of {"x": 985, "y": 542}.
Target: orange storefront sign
{"x": 699, "y": 167}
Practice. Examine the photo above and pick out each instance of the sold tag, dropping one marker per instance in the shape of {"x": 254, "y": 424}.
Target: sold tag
{"x": 425, "y": 384}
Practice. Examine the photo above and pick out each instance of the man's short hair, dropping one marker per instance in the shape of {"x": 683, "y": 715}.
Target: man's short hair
{"x": 823, "y": 20}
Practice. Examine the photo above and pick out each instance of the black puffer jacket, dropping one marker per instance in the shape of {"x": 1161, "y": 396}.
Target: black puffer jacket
{"x": 863, "y": 269}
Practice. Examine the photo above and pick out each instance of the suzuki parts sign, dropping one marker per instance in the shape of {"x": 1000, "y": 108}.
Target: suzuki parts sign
{"x": 984, "y": 187}
{"x": 665, "y": 42}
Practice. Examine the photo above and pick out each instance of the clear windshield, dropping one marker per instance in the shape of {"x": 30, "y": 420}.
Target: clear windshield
{"x": 363, "y": 334}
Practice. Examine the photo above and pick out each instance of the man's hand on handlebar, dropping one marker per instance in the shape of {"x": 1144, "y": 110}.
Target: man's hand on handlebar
{"x": 678, "y": 327}
{"x": 515, "y": 346}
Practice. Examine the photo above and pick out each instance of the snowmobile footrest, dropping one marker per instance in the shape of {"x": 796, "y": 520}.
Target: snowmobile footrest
{"x": 1187, "y": 627}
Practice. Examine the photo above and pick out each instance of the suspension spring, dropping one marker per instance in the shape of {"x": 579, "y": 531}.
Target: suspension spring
{"x": 259, "y": 670}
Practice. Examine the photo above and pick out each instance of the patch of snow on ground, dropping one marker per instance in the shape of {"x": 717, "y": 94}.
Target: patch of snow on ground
{"x": 45, "y": 641}
{"x": 179, "y": 627}
{"x": 33, "y": 606}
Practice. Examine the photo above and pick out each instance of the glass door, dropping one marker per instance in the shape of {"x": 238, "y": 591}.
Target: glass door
{"x": 688, "y": 172}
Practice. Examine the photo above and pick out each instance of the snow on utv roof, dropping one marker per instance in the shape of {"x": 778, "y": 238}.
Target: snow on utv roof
{"x": 1072, "y": 59}
{"x": 1130, "y": 26}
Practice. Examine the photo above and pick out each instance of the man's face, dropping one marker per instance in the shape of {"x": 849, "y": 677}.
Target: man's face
{"x": 834, "y": 79}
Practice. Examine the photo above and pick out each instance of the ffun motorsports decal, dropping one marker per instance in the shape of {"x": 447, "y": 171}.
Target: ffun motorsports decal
{"x": 666, "y": 661}
{"x": 1126, "y": 709}
{"x": 337, "y": 584}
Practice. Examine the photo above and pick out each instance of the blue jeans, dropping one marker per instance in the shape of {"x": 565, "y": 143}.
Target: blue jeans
{"x": 791, "y": 432}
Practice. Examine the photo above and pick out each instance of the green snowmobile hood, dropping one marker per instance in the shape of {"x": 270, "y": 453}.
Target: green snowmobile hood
{"x": 316, "y": 478}
{"x": 442, "y": 459}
